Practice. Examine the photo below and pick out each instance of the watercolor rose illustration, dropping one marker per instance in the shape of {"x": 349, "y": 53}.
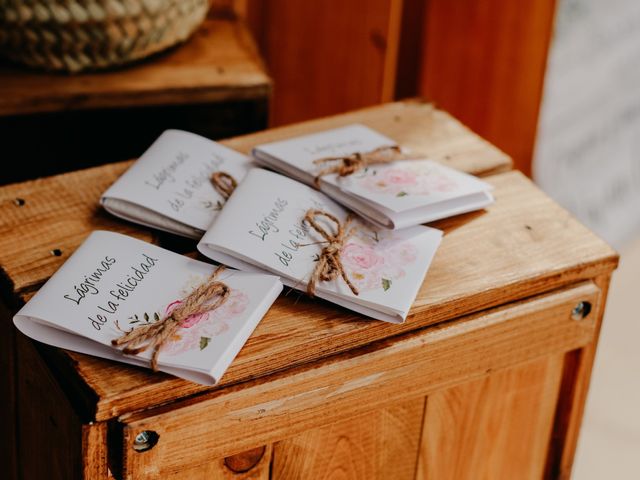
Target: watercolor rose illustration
{"x": 197, "y": 331}
{"x": 405, "y": 180}
{"x": 374, "y": 259}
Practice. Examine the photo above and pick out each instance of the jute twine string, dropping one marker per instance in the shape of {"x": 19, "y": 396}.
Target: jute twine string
{"x": 329, "y": 265}
{"x": 155, "y": 335}
{"x": 348, "y": 164}
{"x": 224, "y": 183}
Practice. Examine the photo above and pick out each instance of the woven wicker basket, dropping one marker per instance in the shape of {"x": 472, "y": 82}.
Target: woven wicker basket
{"x": 76, "y": 35}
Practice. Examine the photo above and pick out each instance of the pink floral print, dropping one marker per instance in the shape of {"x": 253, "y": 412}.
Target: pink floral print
{"x": 374, "y": 260}
{"x": 197, "y": 331}
{"x": 405, "y": 180}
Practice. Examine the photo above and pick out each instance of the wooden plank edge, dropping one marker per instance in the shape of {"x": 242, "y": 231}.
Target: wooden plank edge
{"x": 177, "y": 389}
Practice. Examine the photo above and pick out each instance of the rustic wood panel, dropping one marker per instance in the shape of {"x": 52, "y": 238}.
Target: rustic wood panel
{"x": 573, "y": 393}
{"x": 523, "y": 245}
{"x": 519, "y": 247}
{"x": 8, "y": 452}
{"x": 382, "y": 444}
{"x": 495, "y": 427}
{"x": 485, "y": 62}
{"x": 362, "y": 380}
{"x": 328, "y": 56}
{"x": 218, "y": 469}
{"x": 50, "y": 433}
{"x": 220, "y": 62}
{"x": 94, "y": 451}
{"x": 50, "y": 218}
{"x": 414, "y": 124}
{"x": 58, "y": 213}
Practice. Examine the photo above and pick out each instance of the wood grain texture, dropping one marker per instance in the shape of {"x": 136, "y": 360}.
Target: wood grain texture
{"x": 50, "y": 433}
{"x": 328, "y": 56}
{"x": 485, "y": 63}
{"x": 220, "y": 62}
{"x": 573, "y": 393}
{"x": 413, "y": 123}
{"x": 495, "y": 427}
{"x": 215, "y": 470}
{"x": 8, "y": 438}
{"x": 94, "y": 451}
{"x": 378, "y": 445}
{"x": 43, "y": 221}
{"x": 363, "y": 380}
{"x": 59, "y": 212}
{"x": 522, "y": 245}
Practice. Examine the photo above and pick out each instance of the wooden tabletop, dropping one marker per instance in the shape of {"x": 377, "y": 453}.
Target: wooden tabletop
{"x": 219, "y": 62}
{"x": 521, "y": 246}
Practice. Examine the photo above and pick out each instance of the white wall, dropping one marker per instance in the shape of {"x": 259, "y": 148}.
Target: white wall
{"x": 588, "y": 151}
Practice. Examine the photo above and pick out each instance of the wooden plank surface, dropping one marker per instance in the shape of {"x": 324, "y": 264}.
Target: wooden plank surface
{"x": 39, "y": 217}
{"x": 327, "y": 57}
{"x": 378, "y": 445}
{"x": 220, "y": 62}
{"x": 485, "y": 63}
{"x": 495, "y": 427}
{"x": 219, "y": 469}
{"x": 339, "y": 388}
{"x": 413, "y": 123}
{"x": 522, "y": 245}
{"x": 43, "y": 221}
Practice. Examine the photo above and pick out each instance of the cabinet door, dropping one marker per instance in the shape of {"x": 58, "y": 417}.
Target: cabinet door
{"x": 360, "y": 412}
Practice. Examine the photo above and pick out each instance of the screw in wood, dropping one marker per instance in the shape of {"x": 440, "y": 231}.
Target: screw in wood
{"x": 581, "y": 310}
{"x": 145, "y": 440}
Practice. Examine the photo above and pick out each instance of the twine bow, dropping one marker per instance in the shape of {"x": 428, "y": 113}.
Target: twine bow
{"x": 224, "y": 183}
{"x": 348, "y": 164}
{"x": 329, "y": 265}
{"x": 155, "y": 335}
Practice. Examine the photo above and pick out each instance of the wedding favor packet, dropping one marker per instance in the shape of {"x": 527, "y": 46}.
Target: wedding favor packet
{"x": 169, "y": 187}
{"x": 261, "y": 229}
{"x": 393, "y": 195}
{"x": 113, "y": 283}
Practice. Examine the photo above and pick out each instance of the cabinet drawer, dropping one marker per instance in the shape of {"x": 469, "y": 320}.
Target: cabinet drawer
{"x": 203, "y": 430}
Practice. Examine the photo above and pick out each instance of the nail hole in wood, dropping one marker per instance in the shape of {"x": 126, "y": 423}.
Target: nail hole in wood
{"x": 19, "y": 202}
{"x": 245, "y": 461}
{"x": 56, "y": 252}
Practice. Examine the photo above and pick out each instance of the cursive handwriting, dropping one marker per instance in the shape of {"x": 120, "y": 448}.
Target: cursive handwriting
{"x": 159, "y": 178}
{"x": 267, "y": 224}
{"x": 89, "y": 282}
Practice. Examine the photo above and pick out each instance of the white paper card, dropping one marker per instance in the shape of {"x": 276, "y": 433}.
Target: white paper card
{"x": 169, "y": 187}
{"x": 261, "y": 228}
{"x": 113, "y": 283}
{"x": 395, "y": 195}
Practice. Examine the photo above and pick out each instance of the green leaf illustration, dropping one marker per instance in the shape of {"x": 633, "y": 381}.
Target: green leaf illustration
{"x": 204, "y": 342}
{"x": 402, "y": 194}
{"x": 146, "y": 317}
{"x": 156, "y": 317}
{"x": 386, "y": 284}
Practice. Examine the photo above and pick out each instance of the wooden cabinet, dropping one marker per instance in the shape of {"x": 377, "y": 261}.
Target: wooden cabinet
{"x": 486, "y": 379}
{"x": 215, "y": 85}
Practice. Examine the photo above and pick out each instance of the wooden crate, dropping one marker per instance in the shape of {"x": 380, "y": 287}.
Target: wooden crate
{"x": 215, "y": 84}
{"x": 486, "y": 379}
